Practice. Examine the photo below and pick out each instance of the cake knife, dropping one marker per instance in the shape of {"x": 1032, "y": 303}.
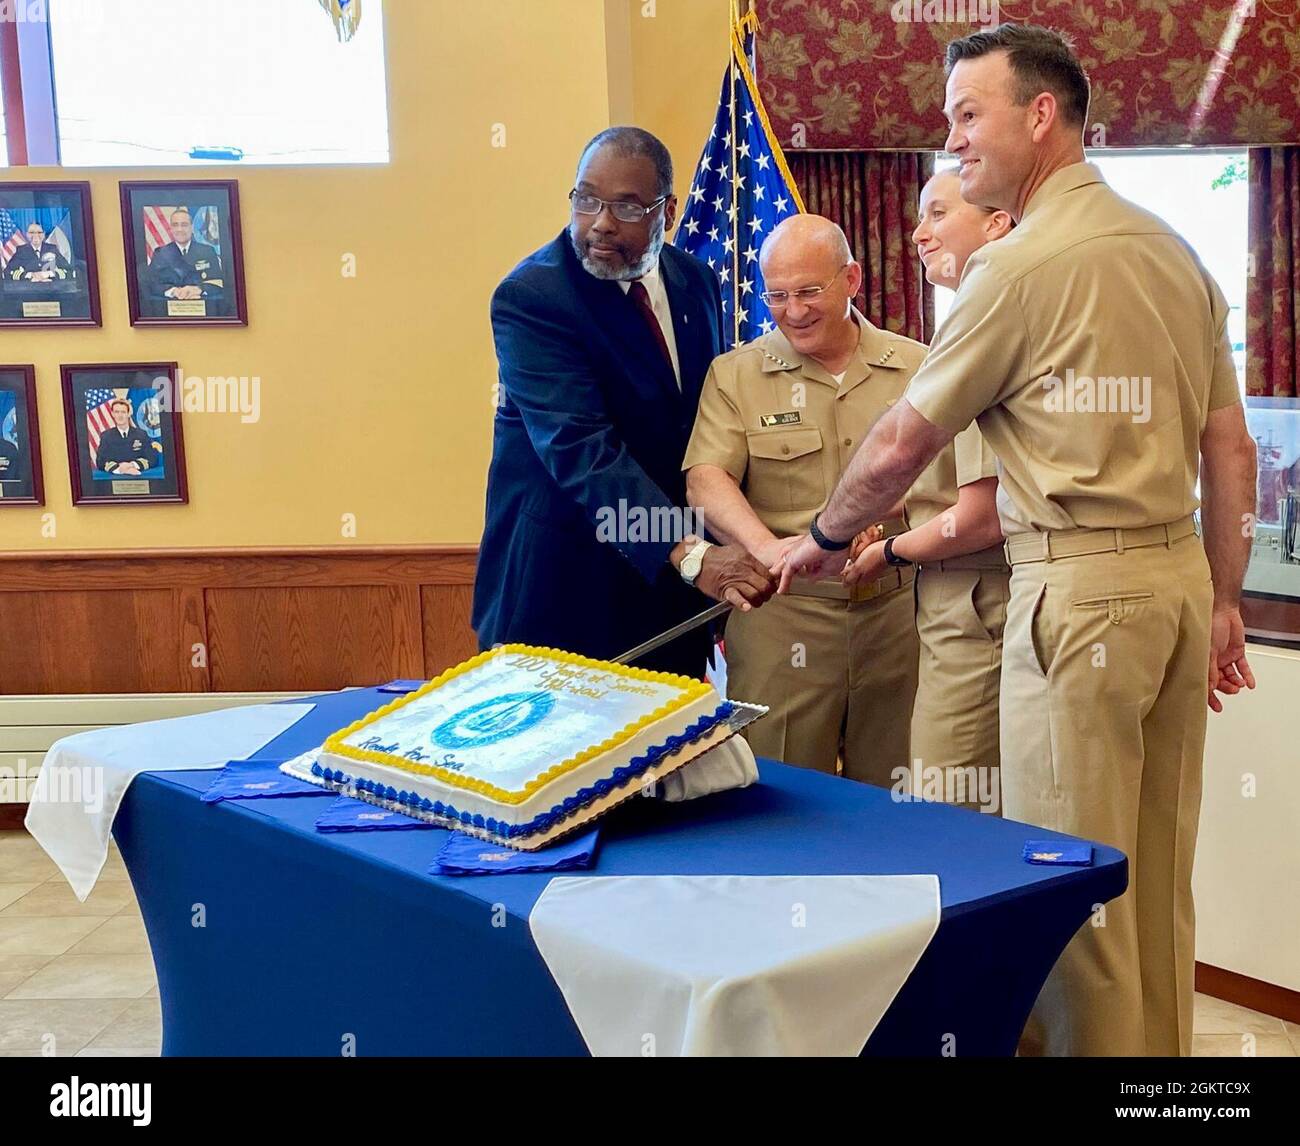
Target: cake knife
{"x": 672, "y": 634}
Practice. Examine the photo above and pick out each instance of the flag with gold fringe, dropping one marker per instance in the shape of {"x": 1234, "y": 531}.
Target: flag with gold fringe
{"x": 741, "y": 190}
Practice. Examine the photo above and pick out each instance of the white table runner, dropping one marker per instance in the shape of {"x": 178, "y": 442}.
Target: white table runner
{"x": 732, "y": 965}
{"x": 84, "y": 777}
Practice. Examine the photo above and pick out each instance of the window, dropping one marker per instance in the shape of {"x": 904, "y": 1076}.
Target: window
{"x": 1202, "y": 195}
{"x": 180, "y": 82}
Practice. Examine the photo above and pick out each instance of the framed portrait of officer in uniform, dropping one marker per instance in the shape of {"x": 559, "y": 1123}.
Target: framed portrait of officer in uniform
{"x": 124, "y": 433}
{"x": 20, "y": 440}
{"x": 47, "y": 255}
{"x": 184, "y": 253}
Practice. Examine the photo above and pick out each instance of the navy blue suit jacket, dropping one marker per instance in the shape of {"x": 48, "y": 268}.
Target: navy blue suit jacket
{"x": 590, "y": 418}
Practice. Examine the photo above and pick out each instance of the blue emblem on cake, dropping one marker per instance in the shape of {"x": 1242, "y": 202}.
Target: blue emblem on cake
{"x": 494, "y": 719}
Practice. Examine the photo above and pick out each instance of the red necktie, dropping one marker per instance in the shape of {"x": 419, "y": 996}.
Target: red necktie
{"x": 641, "y": 297}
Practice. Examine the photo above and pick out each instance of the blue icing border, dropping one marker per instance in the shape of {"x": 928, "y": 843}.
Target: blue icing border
{"x": 616, "y": 779}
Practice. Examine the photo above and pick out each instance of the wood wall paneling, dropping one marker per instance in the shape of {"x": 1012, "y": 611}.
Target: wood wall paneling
{"x": 448, "y": 637}
{"x": 313, "y": 638}
{"x": 231, "y": 620}
{"x": 91, "y": 640}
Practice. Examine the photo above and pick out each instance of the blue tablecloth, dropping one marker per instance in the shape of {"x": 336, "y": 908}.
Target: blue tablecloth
{"x": 311, "y": 943}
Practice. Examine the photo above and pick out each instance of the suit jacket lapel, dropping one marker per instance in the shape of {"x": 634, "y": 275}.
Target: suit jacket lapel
{"x": 617, "y": 319}
{"x": 690, "y": 328}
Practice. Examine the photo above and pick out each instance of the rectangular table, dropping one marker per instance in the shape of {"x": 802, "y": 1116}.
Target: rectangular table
{"x": 309, "y": 939}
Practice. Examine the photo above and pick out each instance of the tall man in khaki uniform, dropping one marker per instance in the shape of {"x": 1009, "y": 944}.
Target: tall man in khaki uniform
{"x": 1091, "y": 345}
{"x": 778, "y": 421}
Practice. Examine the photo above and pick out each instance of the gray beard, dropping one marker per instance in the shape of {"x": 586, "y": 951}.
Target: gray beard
{"x": 642, "y": 267}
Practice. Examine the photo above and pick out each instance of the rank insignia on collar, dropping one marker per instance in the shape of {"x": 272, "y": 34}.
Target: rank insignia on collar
{"x": 781, "y": 362}
{"x": 883, "y": 360}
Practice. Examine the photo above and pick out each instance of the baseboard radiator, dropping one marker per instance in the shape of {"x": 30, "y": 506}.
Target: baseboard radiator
{"x": 30, "y": 725}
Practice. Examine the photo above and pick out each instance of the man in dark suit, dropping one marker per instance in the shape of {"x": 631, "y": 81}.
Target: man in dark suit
{"x": 185, "y": 269}
{"x": 603, "y": 338}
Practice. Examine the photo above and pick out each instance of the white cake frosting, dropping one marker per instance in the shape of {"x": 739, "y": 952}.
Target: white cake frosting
{"x": 514, "y": 733}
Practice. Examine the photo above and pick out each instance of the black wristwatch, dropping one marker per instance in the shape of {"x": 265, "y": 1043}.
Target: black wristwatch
{"x": 892, "y": 558}
{"x": 824, "y": 541}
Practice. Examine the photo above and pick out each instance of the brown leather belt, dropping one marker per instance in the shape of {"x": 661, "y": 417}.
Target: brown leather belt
{"x": 1057, "y": 543}
{"x": 836, "y": 590}
{"x": 991, "y": 560}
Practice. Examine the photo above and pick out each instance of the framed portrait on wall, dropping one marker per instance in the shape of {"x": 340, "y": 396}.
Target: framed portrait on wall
{"x": 20, "y": 439}
{"x": 47, "y": 255}
{"x": 184, "y": 253}
{"x": 124, "y": 434}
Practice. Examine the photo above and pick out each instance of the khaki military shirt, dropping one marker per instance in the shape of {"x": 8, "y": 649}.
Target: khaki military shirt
{"x": 966, "y": 459}
{"x": 782, "y": 427}
{"x": 1091, "y": 344}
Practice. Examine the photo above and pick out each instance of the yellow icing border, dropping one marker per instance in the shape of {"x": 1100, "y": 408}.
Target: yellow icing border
{"x": 692, "y": 690}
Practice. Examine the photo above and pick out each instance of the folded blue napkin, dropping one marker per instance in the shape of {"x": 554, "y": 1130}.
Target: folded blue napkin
{"x": 402, "y": 685}
{"x": 349, "y": 815}
{"x": 1057, "y": 851}
{"x": 256, "y": 780}
{"x": 468, "y": 855}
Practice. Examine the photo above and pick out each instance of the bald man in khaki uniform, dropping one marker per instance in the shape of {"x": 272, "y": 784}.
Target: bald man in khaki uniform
{"x": 778, "y": 421}
{"x": 1091, "y": 345}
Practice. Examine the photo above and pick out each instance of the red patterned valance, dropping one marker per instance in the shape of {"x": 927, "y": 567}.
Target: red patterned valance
{"x": 846, "y": 73}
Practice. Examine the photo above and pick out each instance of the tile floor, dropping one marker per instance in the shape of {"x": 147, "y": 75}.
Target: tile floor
{"x": 78, "y": 979}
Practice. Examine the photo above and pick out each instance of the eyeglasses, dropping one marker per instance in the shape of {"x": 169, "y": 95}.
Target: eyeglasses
{"x": 779, "y": 299}
{"x": 622, "y": 211}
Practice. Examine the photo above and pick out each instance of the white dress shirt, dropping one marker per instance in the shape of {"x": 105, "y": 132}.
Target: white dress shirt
{"x": 658, "y": 295}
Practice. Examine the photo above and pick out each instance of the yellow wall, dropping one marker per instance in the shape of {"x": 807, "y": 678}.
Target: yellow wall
{"x": 376, "y": 391}
{"x": 678, "y": 56}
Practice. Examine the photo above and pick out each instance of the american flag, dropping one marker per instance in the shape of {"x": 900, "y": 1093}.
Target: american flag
{"x": 157, "y": 229}
{"x": 11, "y": 236}
{"x": 99, "y": 415}
{"x": 742, "y": 189}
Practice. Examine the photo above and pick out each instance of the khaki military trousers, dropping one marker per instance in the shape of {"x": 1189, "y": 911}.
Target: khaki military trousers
{"x": 1103, "y": 727}
{"x": 839, "y": 676}
{"x": 960, "y": 618}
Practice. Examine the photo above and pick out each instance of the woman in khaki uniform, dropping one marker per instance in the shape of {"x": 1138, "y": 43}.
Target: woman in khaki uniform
{"x": 963, "y": 580}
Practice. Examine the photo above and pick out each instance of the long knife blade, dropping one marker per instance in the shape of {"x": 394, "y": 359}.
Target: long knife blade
{"x": 672, "y": 634}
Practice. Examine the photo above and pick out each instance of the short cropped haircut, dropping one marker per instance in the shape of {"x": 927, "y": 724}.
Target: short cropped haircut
{"x": 634, "y": 141}
{"x": 1041, "y": 60}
